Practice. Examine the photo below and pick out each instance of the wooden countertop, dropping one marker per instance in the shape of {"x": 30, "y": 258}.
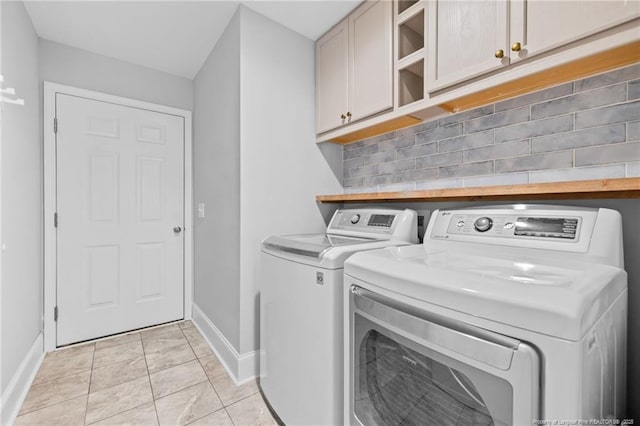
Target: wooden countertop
{"x": 584, "y": 189}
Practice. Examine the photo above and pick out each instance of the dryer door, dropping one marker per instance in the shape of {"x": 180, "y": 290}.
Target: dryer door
{"x": 411, "y": 367}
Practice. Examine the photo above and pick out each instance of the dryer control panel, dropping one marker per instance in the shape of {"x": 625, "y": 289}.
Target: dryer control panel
{"x": 516, "y": 226}
{"x": 568, "y": 229}
{"x": 568, "y": 232}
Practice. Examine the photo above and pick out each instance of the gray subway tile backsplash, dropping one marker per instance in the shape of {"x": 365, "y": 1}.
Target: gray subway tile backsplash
{"x": 586, "y": 129}
{"x": 397, "y": 166}
{"x": 580, "y": 138}
{"x": 467, "y": 115}
{"x": 633, "y": 90}
{"x": 501, "y": 150}
{"x": 623, "y": 74}
{"x": 439, "y": 133}
{"x": 618, "y": 153}
{"x": 633, "y": 131}
{"x": 499, "y": 119}
{"x": 469, "y": 169}
{"x": 547, "y": 126}
{"x": 578, "y": 173}
{"x": 467, "y": 141}
{"x": 359, "y": 152}
{"x": 503, "y": 179}
{"x": 397, "y": 143}
{"x": 418, "y": 150}
{"x": 550, "y": 160}
{"x": 445, "y": 159}
{"x": 608, "y": 115}
{"x": 379, "y": 157}
{"x": 416, "y": 175}
{"x": 363, "y": 171}
{"x": 539, "y": 96}
{"x": 581, "y": 101}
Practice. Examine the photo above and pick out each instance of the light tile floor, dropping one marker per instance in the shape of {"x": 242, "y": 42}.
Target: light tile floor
{"x": 165, "y": 375}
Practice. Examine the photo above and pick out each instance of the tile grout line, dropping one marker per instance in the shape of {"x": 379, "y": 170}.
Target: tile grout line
{"x": 86, "y": 407}
{"x": 153, "y": 398}
{"x": 117, "y": 414}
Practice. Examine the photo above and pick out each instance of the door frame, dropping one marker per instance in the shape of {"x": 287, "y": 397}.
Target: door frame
{"x": 50, "y": 196}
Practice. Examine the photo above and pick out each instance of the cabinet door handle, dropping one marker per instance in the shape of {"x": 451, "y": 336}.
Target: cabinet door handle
{"x": 516, "y": 47}
{"x": 348, "y": 114}
{"x": 499, "y": 54}
{"x": 342, "y": 116}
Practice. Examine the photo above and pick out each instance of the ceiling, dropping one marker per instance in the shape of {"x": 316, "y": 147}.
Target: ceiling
{"x": 171, "y": 36}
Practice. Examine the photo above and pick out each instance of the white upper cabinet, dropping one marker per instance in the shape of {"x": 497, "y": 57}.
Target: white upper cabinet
{"x": 465, "y": 39}
{"x": 354, "y": 68}
{"x": 371, "y": 65}
{"x": 332, "y": 78}
{"x": 539, "y": 26}
{"x": 469, "y": 38}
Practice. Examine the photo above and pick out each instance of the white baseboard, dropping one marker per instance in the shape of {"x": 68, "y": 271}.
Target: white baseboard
{"x": 241, "y": 367}
{"x": 18, "y": 387}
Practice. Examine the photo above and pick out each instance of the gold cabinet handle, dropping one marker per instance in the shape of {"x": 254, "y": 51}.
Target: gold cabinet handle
{"x": 348, "y": 114}
{"x": 516, "y": 47}
{"x": 342, "y": 116}
{"x": 499, "y": 54}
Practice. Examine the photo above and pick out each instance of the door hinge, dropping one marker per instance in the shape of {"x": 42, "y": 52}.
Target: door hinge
{"x": 55, "y": 220}
{"x": 55, "y": 313}
{"x": 55, "y": 125}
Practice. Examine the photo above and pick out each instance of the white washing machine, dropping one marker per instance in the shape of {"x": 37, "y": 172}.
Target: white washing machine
{"x": 506, "y": 315}
{"x": 301, "y": 371}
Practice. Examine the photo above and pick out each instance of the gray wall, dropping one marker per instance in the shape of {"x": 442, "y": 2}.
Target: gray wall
{"x": 256, "y": 164}
{"x": 587, "y": 129}
{"x": 22, "y": 265}
{"x": 216, "y": 165}
{"x": 68, "y": 65}
{"x": 282, "y": 168}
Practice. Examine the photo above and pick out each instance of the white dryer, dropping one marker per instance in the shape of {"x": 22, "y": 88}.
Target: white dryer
{"x": 301, "y": 371}
{"x": 506, "y": 315}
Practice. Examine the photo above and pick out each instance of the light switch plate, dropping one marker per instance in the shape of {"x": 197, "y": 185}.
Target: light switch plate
{"x": 201, "y": 210}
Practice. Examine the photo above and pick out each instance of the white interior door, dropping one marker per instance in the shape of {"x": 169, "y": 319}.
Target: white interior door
{"x": 120, "y": 194}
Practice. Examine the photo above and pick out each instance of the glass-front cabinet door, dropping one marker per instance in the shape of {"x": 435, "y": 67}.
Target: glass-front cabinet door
{"x": 410, "y": 367}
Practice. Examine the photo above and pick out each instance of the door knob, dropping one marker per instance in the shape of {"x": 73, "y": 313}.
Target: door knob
{"x": 499, "y": 54}
{"x": 177, "y": 230}
{"x": 516, "y": 47}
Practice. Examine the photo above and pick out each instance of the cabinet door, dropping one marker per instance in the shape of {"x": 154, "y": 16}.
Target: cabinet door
{"x": 371, "y": 59}
{"x": 332, "y": 78}
{"x": 543, "y": 25}
{"x": 462, "y": 40}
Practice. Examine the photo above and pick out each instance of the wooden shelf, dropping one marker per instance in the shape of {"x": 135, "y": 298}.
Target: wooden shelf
{"x": 585, "y": 189}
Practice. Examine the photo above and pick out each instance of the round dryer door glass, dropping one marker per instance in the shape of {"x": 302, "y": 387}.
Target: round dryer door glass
{"x": 397, "y": 385}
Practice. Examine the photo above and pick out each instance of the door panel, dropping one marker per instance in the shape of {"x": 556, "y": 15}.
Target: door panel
{"x": 120, "y": 193}
{"x": 332, "y": 78}
{"x": 371, "y": 68}
{"x": 540, "y": 26}
{"x": 463, "y": 37}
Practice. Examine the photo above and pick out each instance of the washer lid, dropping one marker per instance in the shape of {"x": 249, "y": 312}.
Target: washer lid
{"x": 311, "y": 245}
{"x": 554, "y": 297}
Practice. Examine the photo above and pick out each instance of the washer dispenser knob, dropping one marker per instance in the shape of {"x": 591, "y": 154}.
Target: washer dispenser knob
{"x": 355, "y": 218}
{"x": 483, "y": 224}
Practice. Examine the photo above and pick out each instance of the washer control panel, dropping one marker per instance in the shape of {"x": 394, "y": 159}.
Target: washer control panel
{"x": 516, "y": 226}
{"x": 364, "y": 220}
{"x": 375, "y": 223}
